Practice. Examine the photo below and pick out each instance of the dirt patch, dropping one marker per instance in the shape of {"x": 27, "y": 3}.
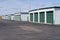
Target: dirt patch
{"x": 27, "y": 28}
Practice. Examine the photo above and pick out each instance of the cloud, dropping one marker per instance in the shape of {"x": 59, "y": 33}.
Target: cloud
{"x": 12, "y": 6}
{"x": 2, "y": 1}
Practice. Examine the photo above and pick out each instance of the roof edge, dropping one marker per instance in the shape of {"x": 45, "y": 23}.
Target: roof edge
{"x": 45, "y": 8}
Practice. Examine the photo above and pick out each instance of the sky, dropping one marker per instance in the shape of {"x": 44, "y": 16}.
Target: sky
{"x": 14, "y": 6}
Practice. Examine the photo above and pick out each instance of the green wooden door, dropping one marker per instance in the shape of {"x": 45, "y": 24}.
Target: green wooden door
{"x": 8, "y": 18}
{"x": 15, "y": 17}
{"x": 50, "y": 17}
{"x": 35, "y": 17}
{"x": 31, "y": 16}
{"x": 18, "y": 17}
{"x": 42, "y": 17}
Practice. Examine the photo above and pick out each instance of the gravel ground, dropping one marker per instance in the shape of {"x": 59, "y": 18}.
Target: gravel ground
{"x": 13, "y": 30}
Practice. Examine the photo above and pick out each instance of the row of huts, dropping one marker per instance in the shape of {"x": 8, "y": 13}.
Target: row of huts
{"x": 49, "y": 15}
{"x": 21, "y": 16}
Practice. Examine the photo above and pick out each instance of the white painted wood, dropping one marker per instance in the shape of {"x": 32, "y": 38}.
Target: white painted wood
{"x": 57, "y": 16}
{"x": 33, "y": 17}
{"x": 12, "y": 17}
{"x": 24, "y": 17}
{"x": 29, "y": 17}
{"x": 38, "y": 17}
{"x": 45, "y": 18}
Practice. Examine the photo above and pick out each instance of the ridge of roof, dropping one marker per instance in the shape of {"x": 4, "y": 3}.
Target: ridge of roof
{"x": 45, "y": 8}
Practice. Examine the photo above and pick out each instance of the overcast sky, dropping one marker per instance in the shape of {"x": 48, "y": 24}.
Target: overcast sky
{"x": 12, "y": 6}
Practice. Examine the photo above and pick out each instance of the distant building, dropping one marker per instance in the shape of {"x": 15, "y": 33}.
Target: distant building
{"x": 24, "y": 16}
{"x": 3, "y": 16}
{"x": 6, "y": 17}
{"x": 12, "y": 16}
{"x": 21, "y": 16}
{"x": 17, "y": 17}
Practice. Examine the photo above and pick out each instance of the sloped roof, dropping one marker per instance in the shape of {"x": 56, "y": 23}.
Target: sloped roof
{"x": 45, "y": 8}
{"x": 24, "y": 12}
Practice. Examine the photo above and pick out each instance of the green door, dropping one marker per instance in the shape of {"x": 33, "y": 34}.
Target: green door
{"x": 18, "y": 17}
{"x": 31, "y": 16}
{"x": 35, "y": 17}
{"x": 42, "y": 17}
{"x": 9, "y": 18}
{"x": 50, "y": 17}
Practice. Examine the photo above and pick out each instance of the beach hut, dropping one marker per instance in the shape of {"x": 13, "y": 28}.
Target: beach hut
{"x": 17, "y": 17}
{"x": 12, "y": 16}
{"x": 24, "y": 16}
{"x": 48, "y": 15}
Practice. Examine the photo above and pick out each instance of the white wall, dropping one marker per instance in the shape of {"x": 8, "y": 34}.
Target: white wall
{"x": 12, "y": 17}
{"x": 6, "y": 17}
{"x": 3, "y": 17}
{"x": 57, "y": 16}
{"x": 24, "y": 17}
